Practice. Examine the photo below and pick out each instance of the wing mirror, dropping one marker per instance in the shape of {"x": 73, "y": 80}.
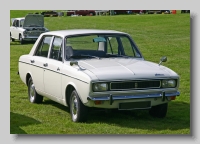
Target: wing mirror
{"x": 76, "y": 63}
{"x": 162, "y": 59}
{"x": 73, "y": 63}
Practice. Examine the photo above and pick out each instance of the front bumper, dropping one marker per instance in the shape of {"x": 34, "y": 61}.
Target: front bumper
{"x": 111, "y": 98}
{"x": 30, "y": 38}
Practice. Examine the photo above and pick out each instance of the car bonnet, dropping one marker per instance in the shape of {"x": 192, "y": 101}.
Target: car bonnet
{"x": 123, "y": 68}
{"x": 34, "y": 19}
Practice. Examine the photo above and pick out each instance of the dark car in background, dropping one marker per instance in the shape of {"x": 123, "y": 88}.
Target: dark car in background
{"x": 49, "y": 13}
{"x": 185, "y": 11}
{"x": 81, "y": 12}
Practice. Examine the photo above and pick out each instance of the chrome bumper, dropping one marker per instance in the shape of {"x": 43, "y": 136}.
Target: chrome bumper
{"x": 111, "y": 98}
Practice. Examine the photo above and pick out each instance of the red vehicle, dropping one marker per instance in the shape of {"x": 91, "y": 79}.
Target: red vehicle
{"x": 80, "y": 12}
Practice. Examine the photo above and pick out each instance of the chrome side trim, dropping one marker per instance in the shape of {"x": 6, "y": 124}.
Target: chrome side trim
{"x": 125, "y": 97}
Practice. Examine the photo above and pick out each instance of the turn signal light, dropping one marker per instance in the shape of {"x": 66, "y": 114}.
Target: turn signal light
{"x": 98, "y": 102}
{"x": 173, "y": 97}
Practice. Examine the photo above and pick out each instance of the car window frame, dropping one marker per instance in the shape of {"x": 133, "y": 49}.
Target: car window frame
{"x": 133, "y": 44}
{"x": 61, "y": 48}
{"x": 39, "y": 44}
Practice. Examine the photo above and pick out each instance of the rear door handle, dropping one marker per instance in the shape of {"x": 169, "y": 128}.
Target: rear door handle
{"x": 45, "y": 64}
{"x": 32, "y": 61}
{"x": 58, "y": 69}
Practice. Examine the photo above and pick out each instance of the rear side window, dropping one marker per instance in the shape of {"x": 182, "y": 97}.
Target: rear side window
{"x": 16, "y": 23}
{"x": 43, "y": 47}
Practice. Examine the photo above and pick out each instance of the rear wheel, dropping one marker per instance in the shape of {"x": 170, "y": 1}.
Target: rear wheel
{"x": 77, "y": 109}
{"x": 33, "y": 96}
{"x": 11, "y": 39}
{"x": 159, "y": 111}
{"x": 21, "y": 39}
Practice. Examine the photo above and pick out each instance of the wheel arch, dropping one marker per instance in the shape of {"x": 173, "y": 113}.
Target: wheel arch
{"x": 28, "y": 75}
{"x": 68, "y": 90}
{"x": 20, "y": 34}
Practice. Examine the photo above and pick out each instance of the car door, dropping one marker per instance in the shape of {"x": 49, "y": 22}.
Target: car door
{"x": 39, "y": 62}
{"x": 53, "y": 71}
{"x": 14, "y": 29}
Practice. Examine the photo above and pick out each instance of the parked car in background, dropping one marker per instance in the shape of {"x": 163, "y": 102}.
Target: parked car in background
{"x": 49, "y": 13}
{"x": 86, "y": 68}
{"x": 117, "y": 12}
{"x": 27, "y": 28}
{"x": 158, "y": 11}
{"x": 154, "y": 12}
{"x": 185, "y": 11}
{"x": 81, "y": 12}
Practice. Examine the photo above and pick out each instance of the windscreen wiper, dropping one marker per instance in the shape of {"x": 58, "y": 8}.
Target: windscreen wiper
{"x": 115, "y": 55}
{"x": 77, "y": 56}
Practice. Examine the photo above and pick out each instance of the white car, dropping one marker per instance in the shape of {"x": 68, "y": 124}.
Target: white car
{"x": 87, "y": 68}
{"x": 27, "y": 28}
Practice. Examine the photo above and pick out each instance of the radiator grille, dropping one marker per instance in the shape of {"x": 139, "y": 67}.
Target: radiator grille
{"x": 135, "y": 85}
{"x": 34, "y": 33}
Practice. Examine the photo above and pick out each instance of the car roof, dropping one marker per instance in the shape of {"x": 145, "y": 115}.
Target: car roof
{"x": 19, "y": 18}
{"x": 12, "y": 19}
{"x": 64, "y": 33}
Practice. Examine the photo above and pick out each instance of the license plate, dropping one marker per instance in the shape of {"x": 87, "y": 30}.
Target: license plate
{"x": 135, "y": 105}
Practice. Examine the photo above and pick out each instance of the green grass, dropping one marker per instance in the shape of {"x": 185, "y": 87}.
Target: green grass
{"x": 156, "y": 35}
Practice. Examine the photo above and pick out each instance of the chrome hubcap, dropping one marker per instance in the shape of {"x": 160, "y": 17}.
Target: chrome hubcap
{"x": 74, "y": 107}
{"x": 32, "y": 92}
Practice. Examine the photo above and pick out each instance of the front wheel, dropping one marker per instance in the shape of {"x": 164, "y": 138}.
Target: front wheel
{"x": 33, "y": 96}
{"x": 159, "y": 111}
{"x": 77, "y": 109}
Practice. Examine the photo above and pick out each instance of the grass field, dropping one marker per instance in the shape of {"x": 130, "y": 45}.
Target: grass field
{"x": 156, "y": 35}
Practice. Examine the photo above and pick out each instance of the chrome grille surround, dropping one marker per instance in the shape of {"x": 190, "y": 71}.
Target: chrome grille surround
{"x": 34, "y": 33}
{"x": 135, "y": 85}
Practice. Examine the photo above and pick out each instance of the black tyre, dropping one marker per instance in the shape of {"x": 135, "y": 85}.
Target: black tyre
{"x": 11, "y": 39}
{"x": 33, "y": 96}
{"x": 77, "y": 109}
{"x": 159, "y": 111}
{"x": 21, "y": 39}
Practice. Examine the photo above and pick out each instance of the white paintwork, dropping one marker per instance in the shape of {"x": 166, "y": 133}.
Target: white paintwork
{"x": 124, "y": 68}
{"x": 52, "y": 83}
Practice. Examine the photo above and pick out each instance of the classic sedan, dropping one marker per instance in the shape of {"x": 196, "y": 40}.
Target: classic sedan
{"x": 87, "y": 68}
{"x": 27, "y": 28}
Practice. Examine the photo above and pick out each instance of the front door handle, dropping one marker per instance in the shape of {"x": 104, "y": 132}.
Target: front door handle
{"x": 32, "y": 61}
{"x": 58, "y": 69}
{"x": 45, "y": 64}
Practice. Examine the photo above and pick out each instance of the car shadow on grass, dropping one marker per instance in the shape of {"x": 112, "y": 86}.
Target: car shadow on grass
{"x": 18, "y": 120}
{"x": 55, "y": 104}
{"x": 18, "y": 43}
{"x": 178, "y": 117}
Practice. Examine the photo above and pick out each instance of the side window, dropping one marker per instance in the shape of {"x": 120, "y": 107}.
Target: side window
{"x": 56, "y": 50}
{"x": 112, "y": 45}
{"x": 21, "y": 22}
{"x": 43, "y": 47}
{"x": 128, "y": 47}
{"x": 14, "y": 23}
{"x": 17, "y": 23}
